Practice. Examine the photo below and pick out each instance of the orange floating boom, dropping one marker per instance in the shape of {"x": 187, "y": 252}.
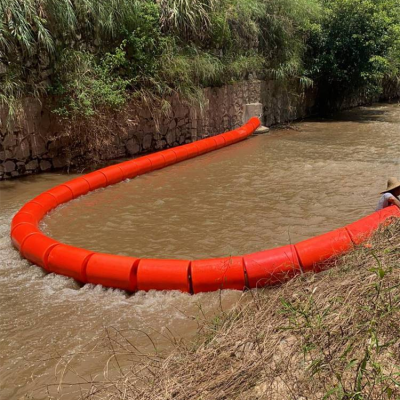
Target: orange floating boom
{"x": 255, "y": 270}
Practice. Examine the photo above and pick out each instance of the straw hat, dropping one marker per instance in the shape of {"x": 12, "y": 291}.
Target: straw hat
{"x": 392, "y": 184}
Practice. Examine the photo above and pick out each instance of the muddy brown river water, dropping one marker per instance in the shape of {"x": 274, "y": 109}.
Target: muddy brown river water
{"x": 267, "y": 191}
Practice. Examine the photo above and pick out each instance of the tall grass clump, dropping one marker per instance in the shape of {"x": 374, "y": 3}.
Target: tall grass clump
{"x": 145, "y": 49}
{"x": 190, "y": 20}
{"x": 34, "y": 35}
{"x": 97, "y": 54}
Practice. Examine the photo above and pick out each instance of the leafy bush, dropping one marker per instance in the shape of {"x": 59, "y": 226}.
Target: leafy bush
{"x": 356, "y": 46}
{"x": 86, "y": 85}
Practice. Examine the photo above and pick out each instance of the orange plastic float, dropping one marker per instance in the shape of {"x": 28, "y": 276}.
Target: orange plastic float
{"x": 362, "y": 229}
{"x": 109, "y": 270}
{"x": 96, "y": 180}
{"x": 256, "y": 270}
{"x": 23, "y": 217}
{"x": 63, "y": 194}
{"x": 113, "y": 174}
{"x": 157, "y": 161}
{"x": 69, "y": 261}
{"x": 270, "y": 267}
{"x": 36, "y": 248}
{"x": 181, "y": 153}
{"x": 218, "y": 273}
{"x": 163, "y": 275}
{"x": 314, "y": 252}
{"x": 21, "y": 232}
{"x": 169, "y": 156}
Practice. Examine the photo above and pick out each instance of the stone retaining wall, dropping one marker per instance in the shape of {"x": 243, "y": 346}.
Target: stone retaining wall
{"x": 39, "y": 141}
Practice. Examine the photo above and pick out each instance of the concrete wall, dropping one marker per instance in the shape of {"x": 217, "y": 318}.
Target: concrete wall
{"x": 40, "y": 141}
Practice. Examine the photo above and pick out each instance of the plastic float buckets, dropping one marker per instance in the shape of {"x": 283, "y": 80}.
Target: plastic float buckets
{"x": 62, "y": 194}
{"x": 113, "y": 174}
{"x": 36, "y": 248}
{"x": 169, "y": 156}
{"x": 181, "y": 153}
{"x": 69, "y": 261}
{"x": 47, "y": 201}
{"x": 121, "y": 272}
{"x": 388, "y": 214}
{"x": 271, "y": 267}
{"x": 37, "y": 210}
{"x": 210, "y": 143}
{"x": 205, "y": 146}
{"x": 155, "y": 274}
{"x": 219, "y": 141}
{"x": 95, "y": 180}
{"x": 218, "y": 273}
{"x": 230, "y": 137}
{"x": 144, "y": 165}
{"x": 130, "y": 169}
{"x": 21, "y": 232}
{"x": 191, "y": 150}
{"x": 314, "y": 252}
{"x": 254, "y": 270}
{"x": 23, "y": 217}
{"x": 112, "y": 271}
{"x": 78, "y": 187}
{"x": 157, "y": 161}
{"x": 362, "y": 229}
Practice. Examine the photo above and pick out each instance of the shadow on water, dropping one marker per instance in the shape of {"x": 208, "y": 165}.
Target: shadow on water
{"x": 375, "y": 113}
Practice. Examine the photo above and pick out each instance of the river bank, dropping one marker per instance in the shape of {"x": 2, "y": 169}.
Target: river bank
{"x": 328, "y": 336}
{"x": 41, "y": 141}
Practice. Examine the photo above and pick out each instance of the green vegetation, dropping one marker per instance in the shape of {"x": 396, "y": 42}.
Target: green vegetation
{"x": 333, "y": 335}
{"x": 96, "y": 54}
{"x": 356, "y": 47}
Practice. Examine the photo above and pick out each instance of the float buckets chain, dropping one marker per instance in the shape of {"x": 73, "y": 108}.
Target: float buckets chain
{"x": 260, "y": 269}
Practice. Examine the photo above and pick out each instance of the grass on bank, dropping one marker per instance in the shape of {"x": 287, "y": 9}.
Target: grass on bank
{"x": 335, "y": 335}
{"x": 95, "y": 54}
